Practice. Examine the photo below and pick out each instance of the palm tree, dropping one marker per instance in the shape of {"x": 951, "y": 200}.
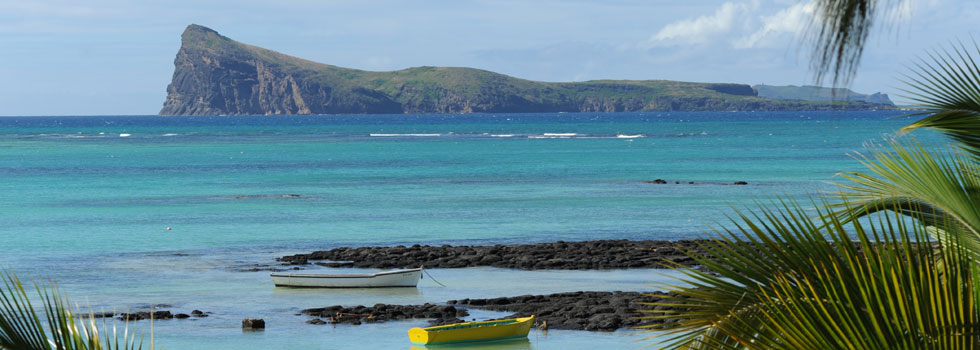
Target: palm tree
{"x": 782, "y": 280}
{"x": 57, "y": 327}
{"x": 944, "y": 186}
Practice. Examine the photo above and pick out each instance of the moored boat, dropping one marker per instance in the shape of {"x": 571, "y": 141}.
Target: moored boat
{"x": 395, "y": 278}
{"x": 472, "y": 331}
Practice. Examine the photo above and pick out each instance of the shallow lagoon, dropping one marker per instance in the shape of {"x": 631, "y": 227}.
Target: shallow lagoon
{"x": 231, "y": 296}
{"x": 89, "y": 208}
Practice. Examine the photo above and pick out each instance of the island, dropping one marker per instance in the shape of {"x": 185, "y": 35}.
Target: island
{"x": 215, "y": 75}
{"x": 817, "y": 93}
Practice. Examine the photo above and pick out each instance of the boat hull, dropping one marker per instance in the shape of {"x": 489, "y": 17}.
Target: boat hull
{"x": 472, "y": 331}
{"x": 387, "y": 279}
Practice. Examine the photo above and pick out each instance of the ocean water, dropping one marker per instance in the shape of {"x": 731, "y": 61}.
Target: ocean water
{"x": 87, "y": 202}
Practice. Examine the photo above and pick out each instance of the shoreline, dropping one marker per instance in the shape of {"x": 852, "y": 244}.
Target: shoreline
{"x": 596, "y": 311}
{"x": 559, "y": 255}
{"x": 582, "y": 309}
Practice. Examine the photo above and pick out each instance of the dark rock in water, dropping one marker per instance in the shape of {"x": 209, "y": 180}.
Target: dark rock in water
{"x": 603, "y": 322}
{"x": 445, "y": 321}
{"x": 99, "y": 315}
{"x": 258, "y": 196}
{"x": 198, "y": 313}
{"x": 297, "y": 259}
{"x": 145, "y": 315}
{"x": 258, "y": 267}
{"x": 663, "y": 182}
{"x": 608, "y": 254}
{"x": 591, "y": 311}
{"x": 337, "y": 314}
{"x": 253, "y": 323}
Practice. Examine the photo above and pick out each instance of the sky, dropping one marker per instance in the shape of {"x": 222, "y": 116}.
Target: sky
{"x": 115, "y": 57}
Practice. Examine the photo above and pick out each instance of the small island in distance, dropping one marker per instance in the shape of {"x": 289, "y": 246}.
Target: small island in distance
{"x": 215, "y": 75}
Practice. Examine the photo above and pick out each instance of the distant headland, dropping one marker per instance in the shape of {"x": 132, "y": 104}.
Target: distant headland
{"x": 215, "y": 75}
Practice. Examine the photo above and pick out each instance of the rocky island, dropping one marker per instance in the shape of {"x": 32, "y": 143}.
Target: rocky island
{"x": 817, "y": 93}
{"x": 215, "y": 75}
{"x": 560, "y": 255}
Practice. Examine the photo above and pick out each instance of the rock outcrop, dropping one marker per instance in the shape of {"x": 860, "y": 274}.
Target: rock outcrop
{"x": 817, "y": 93}
{"x": 604, "y": 254}
{"x": 356, "y": 315}
{"x": 590, "y": 311}
{"x": 215, "y": 75}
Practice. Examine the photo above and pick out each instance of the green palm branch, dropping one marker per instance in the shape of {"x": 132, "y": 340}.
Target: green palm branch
{"x": 57, "y": 327}
{"x": 945, "y": 187}
{"x": 784, "y": 281}
{"x": 839, "y": 33}
{"x": 948, "y": 88}
{"x": 941, "y": 189}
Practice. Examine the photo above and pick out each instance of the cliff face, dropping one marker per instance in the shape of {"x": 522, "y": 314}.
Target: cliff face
{"x": 817, "y": 93}
{"x": 215, "y": 75}
{"x": 209, "y": 80}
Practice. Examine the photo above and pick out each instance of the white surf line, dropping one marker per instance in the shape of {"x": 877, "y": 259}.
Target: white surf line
{"x": 405, "y": 135}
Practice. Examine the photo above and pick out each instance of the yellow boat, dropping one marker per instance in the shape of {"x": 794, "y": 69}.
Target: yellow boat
{"x": 472, "y": 331}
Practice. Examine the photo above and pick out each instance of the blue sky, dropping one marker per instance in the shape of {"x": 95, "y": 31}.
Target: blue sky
{"x": 107, "y": 57}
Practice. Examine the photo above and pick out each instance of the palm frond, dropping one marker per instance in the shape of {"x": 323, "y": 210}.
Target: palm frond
{"x": 57, "y": 326}
{"x": 947, "y": 86}
{"x": 20, "y": 326}
{"x": 840, "y": 31}
{"x": 940, "y": 189}
{"x": 784, "y": 281}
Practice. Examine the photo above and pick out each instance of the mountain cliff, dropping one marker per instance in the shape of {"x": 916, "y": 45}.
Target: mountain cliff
{"x": 817, "y": 93}
{"x": 215, "y": 75}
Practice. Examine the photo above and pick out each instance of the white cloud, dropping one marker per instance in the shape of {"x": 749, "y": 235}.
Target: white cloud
{"x": 754, "y": 24}
{"x": 792, "y": 20}
{"x": 740, "y": 25}
{"x": 704, "y": 28}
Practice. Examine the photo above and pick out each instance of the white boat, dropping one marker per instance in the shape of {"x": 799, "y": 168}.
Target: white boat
{"x": 395, "y": 278}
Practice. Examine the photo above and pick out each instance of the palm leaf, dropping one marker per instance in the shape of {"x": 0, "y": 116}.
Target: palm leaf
{"x": 942, "y": 190}
{"x": 839, "y": 33}
{"x": 781, "y": 280}
{"x": 947, "y": 86}
{"x": 21, "y": 326}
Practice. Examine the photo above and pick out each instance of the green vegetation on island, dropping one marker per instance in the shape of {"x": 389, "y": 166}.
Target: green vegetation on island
{"x": 817, "y": 93}
{"x": 215, "y": 75}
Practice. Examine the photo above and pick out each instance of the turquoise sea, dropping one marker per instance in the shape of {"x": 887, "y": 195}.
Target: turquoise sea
{"x": 87, "y": 202}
